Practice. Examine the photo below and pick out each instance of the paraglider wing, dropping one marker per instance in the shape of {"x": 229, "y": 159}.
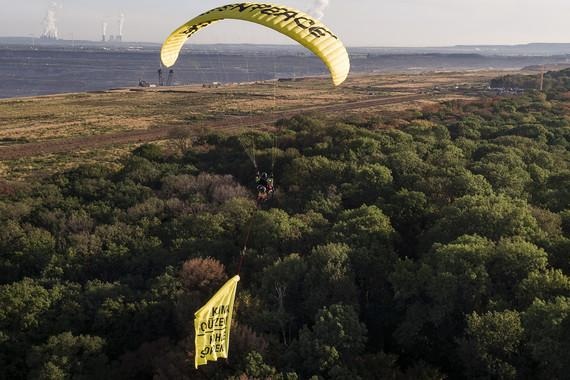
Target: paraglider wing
{"x": 297, "y": 25}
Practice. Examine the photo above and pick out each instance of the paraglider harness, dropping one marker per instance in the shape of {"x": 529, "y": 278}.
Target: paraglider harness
{"x": 265, "y": 188}
{"x": 265, "y": 183}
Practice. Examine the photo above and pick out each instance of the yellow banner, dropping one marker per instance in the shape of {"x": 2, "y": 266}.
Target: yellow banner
{"x": 212, "y": 324}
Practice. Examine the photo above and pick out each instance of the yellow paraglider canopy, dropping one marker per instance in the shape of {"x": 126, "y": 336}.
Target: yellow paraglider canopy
{"x": 297, "y": 25}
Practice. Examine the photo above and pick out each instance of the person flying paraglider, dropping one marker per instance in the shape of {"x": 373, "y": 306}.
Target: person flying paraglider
{"x": 297, "y": 25}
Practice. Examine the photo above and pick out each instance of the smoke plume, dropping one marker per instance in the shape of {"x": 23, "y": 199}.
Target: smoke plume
{"x": 50, "y": 22}
{"x": 318, "y": 8}
{"x": 121, "y": 24}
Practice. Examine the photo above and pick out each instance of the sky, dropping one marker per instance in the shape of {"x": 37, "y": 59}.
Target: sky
{"x": 357, "y": 22}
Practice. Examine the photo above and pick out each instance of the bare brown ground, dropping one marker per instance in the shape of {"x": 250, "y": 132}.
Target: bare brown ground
{"x": 147, "y": 135}
{"x": 36, "y": 126}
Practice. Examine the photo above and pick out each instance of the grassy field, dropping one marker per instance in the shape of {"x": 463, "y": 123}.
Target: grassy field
{"x": 57, "y": 117}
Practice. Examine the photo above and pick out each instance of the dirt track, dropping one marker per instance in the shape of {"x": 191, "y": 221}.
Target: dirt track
{"x": 141, "y": 136}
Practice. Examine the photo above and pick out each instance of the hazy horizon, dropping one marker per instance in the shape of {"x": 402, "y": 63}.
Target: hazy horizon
{"x": 401, "y": 23}
{"x": 288, "y": 43}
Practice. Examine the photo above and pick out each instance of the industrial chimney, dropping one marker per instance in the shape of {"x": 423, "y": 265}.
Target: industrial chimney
{"x": 119, "y": 38}
{"x": 104, "y": 35}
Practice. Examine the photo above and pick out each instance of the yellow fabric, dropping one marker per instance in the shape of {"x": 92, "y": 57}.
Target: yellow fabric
{"x": 213, "y": 323}
{"x": 297, "y": 25}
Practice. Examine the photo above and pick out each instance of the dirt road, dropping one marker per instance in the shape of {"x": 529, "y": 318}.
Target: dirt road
{"x": 141, "y": 136}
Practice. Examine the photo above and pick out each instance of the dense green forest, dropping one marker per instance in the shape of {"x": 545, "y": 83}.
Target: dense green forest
{"x": 556, "y": 83}
{"x": 416, "y": 245}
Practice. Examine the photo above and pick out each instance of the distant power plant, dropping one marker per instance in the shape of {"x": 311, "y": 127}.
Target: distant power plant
{"x": 116, "y": 37}
{"x": 51, "y": 32}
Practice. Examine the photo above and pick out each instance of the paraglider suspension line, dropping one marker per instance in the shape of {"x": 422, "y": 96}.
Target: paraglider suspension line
{"x": 250, "y": 150}
{"x": 246, "y": 241}
{"x": 273, "y": 153}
